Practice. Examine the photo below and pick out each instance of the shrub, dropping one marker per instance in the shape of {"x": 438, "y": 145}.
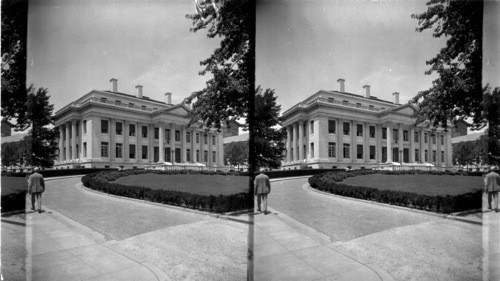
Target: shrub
{"x": 332, "y": 183}
{"x": 103, "y": 181}
{"x": 14, "y": 201}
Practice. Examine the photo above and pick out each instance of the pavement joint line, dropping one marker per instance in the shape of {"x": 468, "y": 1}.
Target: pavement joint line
{"x": 307, "y": 187}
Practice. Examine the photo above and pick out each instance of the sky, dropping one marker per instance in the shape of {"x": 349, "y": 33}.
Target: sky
{"x": 75, "y": 46}
{"x": 305, "y": 46}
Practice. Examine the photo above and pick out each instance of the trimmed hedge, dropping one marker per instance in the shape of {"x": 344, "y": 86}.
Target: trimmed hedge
{"x": 297, "y": 173}
{"x": 103, "y": 181}
{"x": 14, "y": 201}
{"x": 332, "y": 183}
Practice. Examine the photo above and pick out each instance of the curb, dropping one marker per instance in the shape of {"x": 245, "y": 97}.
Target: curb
{"x": 444, "y": 216}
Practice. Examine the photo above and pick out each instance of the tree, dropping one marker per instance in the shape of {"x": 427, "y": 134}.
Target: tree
{"x": 42, "y": 139}
{"x": 269, "y": 145}
{"x": 236, "y": 153}
{"x": 227, "y": 94}
{"x": 10, "y": 154}
{"x": 491, "y": 106}
{"x": 457, "y": 92}
{"x": 464, "y": 153}
{"x": 14, "y": 31}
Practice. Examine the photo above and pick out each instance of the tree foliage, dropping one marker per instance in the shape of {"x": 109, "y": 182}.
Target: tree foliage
{"x": 228, "y": 93}
{"x": 491, "y": 106}
{"x": 269, "y": 145}
{"x": 43, "y": 145}
{"x": 236, "y": 153}
{"x": 464, "y": 153}
{"x": 14, "y": 30}
{"x": 457, "y": 92}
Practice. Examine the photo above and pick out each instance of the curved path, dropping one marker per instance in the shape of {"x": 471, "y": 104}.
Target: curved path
{"x": 406, "y": 244}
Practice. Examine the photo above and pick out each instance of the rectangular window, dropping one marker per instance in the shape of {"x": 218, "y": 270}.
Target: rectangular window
{"x": 346, "y": 150}
{"x": 331, "y": 100}
{"x": 197, "y": 155}
{"x": 213, "y": 140}
{"x": 426, "y": 155}
{"x": 118, "y": 102}
{"x": 131, "y": 151}
{"x": 406, "y": 155}
{"x": 156, "y": 154}
{"x": 372, "y": 132}
{"x": 442, "y": 156}
{"x": 85, "y": 149}
{"x": 305, "y": 129}
{"x": 205, "y": 139}
{"x": 359, "y": 130}
{"x": 167, "y": 135}
{"x": 188, "y": 136}
{"x": 144, "y": 131}
{"x": 144, "y": 152}
{"x": 415, "y": 136}
{"x": 405, "y": 135}
{"x": 213, "y": 157}
{"x": 84, "y": 126}
{"x": 131, "y": 130}
{"x": 119, "y": 128}
{"x": 130, "y": 105}
{"x": 143, "y": 107}
{"x": 312, "y": 150}
{"x": 384, "y": 154}
{"x": 442, "y": 140}
{"x": 370, "y": 107}
{"x": 360, "y": 151}
{"x": 417, "y": 155}
{"x": 395, "y": 135}
{"x": 331, "y": 126}
{"x": 433, "y": 139}
{"x": 346, "y": 128}
{"x": 205, "y": 156}
{"x": 372, "y": 152}
{"x": 345, "y": 102}
{"x": 104, "y": 100}
{"x": 157, "y": 133}
{"x": 188, "y": 155}
{"x": 197, "y": 138}
{"x": 119, "y": 150}
{"x": 104, "y": 126}
{"x": 425, "y": 140}
{"x": 331, "y": 150}
{"x": 177, "y": 135}
{"x": 104, "y": 149}
{"x": 433, "y": 156}
{"x": 384, "y": 133}
{"x": 77, "y": 151}
{"x": 358, "y": 105}
{"x": 312, "y": 126}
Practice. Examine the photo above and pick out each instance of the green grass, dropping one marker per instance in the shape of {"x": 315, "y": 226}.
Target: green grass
{"x": 14, "y": 185}
{"x": 194, "y": 184}
{"x": 421, "y": 184}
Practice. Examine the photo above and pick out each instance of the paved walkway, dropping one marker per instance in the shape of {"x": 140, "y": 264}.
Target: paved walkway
{"x": 286, "y": 250}
{"x": 56, "y": 252}
{"x": 491, "y": 243}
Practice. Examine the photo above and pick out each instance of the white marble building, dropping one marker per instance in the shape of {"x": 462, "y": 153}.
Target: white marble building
{"x": 113, "y": 129}
{"x": 336, "y": 129}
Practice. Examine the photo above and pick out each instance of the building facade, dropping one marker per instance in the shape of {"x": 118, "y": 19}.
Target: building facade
{"x": 112, "y": 129}
{"x": 336, "y": 129}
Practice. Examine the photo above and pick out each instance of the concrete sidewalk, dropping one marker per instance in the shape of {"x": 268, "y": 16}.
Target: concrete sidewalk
{"x": 55, "y": 252}
{"x": 285, "y": 250}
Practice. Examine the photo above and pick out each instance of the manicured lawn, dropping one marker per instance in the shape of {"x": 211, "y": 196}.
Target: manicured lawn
{"x": 14, "y": 184}
{"x": 421, "y": 184}
{"x": 195, "y": 184}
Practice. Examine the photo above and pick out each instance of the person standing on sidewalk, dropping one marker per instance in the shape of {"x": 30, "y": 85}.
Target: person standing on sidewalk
{"x": 36, "y": 186}
{"x": 492, "y": 186}
{"x": 262, "y": 188}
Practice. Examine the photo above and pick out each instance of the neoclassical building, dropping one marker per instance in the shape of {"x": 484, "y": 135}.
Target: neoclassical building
{"x": 336, "y": 129}
{"x": 114, "y": 129}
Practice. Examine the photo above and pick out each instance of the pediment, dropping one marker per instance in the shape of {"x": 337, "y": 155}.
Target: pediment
{"x": 406, "y": 109}
{"x": 181, "y": 110}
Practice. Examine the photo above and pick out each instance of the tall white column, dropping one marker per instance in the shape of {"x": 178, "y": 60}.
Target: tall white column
{"x": 202, "y": 147}
{"x": 210, "y": 163}
{"x": 161, "y": 140}
{"x": 112, "y": 142}
{"x": 172, "y": 143}
{"x": 294, "y": 142}
{"x": 354, "y": 143}
{"x": 448, "y": 152}
{"x": 389, "y": 144}
{"x": 289, "y": 137}
{"x": 438, "y": 150}
{"x": 412, "y": 144}
{"x": 138, "y": 147}
{"x": 220, "y": 149}
{"x": 73, "y": 140}
{"x": 366, "y": 143}
{"x": 61, "y": 144}
{"x": 378, "y": 146}
{"x": 401, "y": 141}
{"x": 183, "y": 144}
{"x": 301, "y": 141}
{"x": 340, "y": 134}
{"x": 81, "y": 139}
{"x": 90, "y": 138}
{"x": 193, "y": 150}
{"x": 422, "y": 146}
{"x": 68, "y": 156}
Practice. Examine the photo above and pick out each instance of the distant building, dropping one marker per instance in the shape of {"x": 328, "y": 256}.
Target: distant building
{"x": 114, "y": 129}
{"x": 234, "y": 139}
{"x": 459, "y": 129}
{"x": 337, "y": 129}
{"x": 232, "y": 129}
